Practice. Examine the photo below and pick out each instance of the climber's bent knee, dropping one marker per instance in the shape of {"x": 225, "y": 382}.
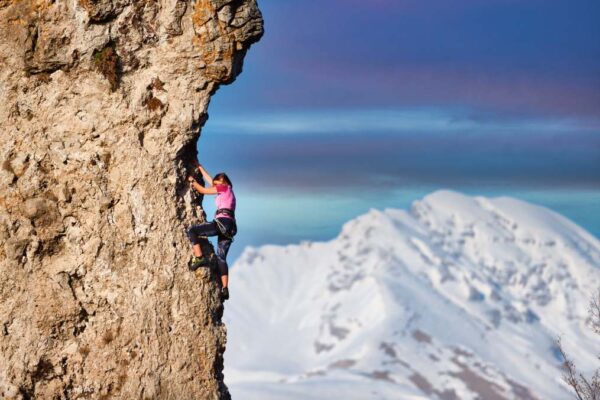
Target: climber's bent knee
{"x": 206, "y": 229}
{"x": 191, "y": 234}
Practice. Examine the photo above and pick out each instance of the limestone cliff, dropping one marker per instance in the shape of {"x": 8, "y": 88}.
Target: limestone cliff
{"x": 101, "y": 104}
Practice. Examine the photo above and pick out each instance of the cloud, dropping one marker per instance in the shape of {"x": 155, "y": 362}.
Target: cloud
{"x": 392, "y": 121}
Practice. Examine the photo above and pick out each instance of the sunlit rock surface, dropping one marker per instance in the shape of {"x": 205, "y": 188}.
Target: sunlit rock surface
{"x": 101, "y": 102}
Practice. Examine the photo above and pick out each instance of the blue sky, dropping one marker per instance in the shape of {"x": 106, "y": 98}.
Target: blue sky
{"x": 342, "y": 98}
{"x": 493, "y": 57}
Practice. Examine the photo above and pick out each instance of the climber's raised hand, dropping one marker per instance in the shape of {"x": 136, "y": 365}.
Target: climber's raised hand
{"x": 205, "y": 175}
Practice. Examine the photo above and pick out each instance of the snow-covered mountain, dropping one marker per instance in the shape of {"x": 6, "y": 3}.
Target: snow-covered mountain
{"x": 458, "y": 298}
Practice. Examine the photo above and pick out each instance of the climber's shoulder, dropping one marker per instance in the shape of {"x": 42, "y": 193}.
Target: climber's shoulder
{"x": 222, "y": 188}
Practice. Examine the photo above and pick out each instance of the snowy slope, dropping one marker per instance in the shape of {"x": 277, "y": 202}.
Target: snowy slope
{"x": 458, "y": 298}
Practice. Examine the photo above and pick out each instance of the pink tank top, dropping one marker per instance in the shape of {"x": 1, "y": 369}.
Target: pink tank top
{"x": 225, "y": 199}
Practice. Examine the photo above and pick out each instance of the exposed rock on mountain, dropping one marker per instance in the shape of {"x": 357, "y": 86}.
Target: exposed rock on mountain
{"x": 101, "y": 102}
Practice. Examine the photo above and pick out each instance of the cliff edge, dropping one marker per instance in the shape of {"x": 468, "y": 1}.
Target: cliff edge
{"x": 101, "y": 105}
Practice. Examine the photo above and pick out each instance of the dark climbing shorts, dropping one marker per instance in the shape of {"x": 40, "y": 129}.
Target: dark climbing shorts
{"x": 223, "y": 243}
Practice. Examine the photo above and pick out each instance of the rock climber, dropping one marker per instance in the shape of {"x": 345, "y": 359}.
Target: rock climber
{"x": 223, "y": 226}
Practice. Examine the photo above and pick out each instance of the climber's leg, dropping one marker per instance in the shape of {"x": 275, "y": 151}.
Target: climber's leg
{"x": 194, "y": 232}
{"x": 222, "y": 250}
{"x": 197, "y": 250}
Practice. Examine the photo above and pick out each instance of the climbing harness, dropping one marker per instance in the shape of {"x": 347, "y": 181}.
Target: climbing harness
{"x": 228, "y": 231}
{"x": 225, "y": 211}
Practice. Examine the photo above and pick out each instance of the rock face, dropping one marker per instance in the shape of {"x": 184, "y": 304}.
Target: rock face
{"x": 101, "y": 105}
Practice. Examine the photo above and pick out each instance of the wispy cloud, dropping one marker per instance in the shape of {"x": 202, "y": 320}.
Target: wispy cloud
{"x": 398, "y": 121}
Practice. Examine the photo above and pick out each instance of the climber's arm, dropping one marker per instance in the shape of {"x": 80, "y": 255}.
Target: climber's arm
{"x": 205, "y": 174}
{"x": 201, "y": 189}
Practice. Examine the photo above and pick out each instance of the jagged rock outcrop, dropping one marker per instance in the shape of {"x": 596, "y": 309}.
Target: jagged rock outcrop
{"x": 101, "y": 104}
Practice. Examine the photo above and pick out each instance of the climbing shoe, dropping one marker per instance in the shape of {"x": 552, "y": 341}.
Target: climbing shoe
{"x": 197, "y": 262}
{"x": 224, "y": 293}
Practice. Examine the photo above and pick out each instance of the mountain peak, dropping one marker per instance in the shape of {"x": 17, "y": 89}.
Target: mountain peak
{"x": 506, "y": 212}
{"x": 456, "y": 290}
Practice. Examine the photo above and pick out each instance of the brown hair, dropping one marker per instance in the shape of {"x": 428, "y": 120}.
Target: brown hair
{"x": 223, "y": 176}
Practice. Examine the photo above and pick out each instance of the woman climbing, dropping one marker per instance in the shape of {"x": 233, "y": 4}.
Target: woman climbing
{"x": 223, "y": 226}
